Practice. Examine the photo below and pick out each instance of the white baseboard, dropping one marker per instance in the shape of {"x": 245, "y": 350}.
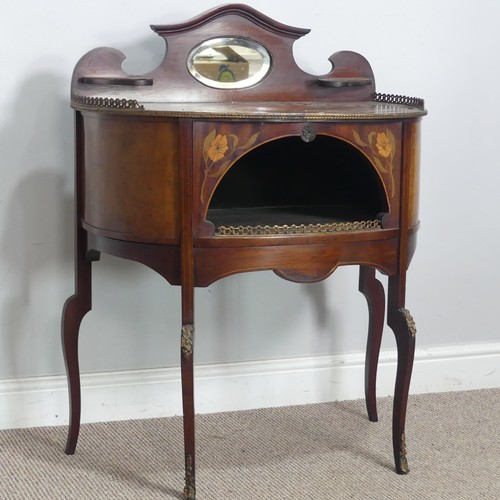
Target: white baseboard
{"x": 43, "y": 401}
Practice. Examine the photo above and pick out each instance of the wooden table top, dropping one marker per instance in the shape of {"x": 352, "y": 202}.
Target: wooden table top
{"x": 314, "y": 111}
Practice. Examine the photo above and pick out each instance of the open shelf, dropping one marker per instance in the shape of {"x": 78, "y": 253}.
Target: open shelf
{"x": 289, "y": 186}
{"x": 289, "y": 220}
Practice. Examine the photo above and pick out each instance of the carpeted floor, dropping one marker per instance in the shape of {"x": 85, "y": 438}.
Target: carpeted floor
{"x": 323, "y": 451}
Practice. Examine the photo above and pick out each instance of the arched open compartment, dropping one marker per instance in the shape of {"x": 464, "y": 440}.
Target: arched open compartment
{"x": 288, "y": 185}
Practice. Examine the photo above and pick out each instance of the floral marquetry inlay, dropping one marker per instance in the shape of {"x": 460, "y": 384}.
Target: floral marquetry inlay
{"x": 219, "y": 150}
{"x": 384, "y": 145}
{"x": 381, "y": 147}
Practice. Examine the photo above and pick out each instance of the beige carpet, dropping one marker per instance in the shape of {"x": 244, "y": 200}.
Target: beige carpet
{"x": 323, "y": 451}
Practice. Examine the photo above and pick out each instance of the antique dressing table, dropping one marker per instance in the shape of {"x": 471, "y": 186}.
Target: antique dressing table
{"x": 228, "y": 158}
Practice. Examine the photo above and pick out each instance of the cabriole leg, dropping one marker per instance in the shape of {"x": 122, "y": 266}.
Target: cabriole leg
{"x": 187, "y": 343}
{"x": 403, "y": 326}
{"x": 187, "y": 338}
{"x": 374, "y": 293}
{"x": 74, "y": 310}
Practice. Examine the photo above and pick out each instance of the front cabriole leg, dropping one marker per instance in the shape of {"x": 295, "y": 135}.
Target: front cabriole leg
{"x": 403, "y": 326}
{"x": 187, "y": 302}
{"x": 75, "y": 308}
{"x": 187, "y": 340}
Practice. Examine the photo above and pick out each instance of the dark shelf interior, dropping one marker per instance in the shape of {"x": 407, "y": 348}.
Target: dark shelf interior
{"x": 271, "y": 216}
{"x": 288, "y": 181}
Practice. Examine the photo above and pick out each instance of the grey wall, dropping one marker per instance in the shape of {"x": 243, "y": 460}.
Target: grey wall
{"x": 442, "y": 51}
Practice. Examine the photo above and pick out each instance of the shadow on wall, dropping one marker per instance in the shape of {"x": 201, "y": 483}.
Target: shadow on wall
{"x": 37, "y": 216}
{"x": 37, "y": 227}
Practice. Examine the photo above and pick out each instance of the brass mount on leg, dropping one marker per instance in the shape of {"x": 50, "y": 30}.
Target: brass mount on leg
{"x": 190, "y": 488}
{"x": 187, "y": 333}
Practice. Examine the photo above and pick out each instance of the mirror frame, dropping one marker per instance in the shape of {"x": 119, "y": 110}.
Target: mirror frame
{"x": 258, "y": 77}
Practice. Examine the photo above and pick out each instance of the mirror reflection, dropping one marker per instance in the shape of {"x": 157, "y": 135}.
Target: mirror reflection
{"x": 229, "y": 63}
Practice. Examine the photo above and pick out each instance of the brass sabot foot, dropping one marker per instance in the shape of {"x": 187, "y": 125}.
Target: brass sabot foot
{"x": 402, "y": 463}
{"x": 189, "y": 493}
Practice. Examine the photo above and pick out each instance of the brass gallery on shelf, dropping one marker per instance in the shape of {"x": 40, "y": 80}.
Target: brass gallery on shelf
{"x": 333, "y": 227}
{"x": 228, "y": 158}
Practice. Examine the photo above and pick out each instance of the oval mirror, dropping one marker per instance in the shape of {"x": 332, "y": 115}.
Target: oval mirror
{"x": 229, "y": 63}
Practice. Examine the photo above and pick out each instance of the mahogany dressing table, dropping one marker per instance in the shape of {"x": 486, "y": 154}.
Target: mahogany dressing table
{"x": 228, "y": 158}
